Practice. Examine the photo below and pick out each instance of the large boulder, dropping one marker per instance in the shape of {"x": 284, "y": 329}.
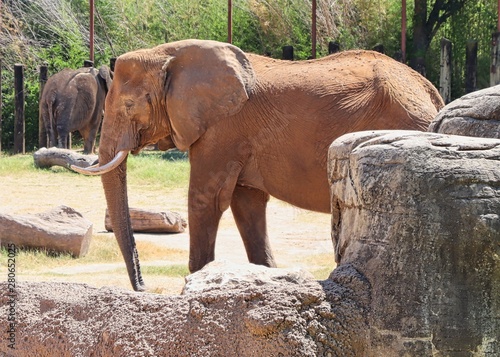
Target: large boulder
{"x": 417, "y": 214}
{"x": 243, "y": 310}
{"x": 61, "y": 230}
{"x": 474, "y": 114}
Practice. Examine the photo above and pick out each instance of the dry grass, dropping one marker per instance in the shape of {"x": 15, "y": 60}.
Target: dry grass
{"x": 299, "y": 238}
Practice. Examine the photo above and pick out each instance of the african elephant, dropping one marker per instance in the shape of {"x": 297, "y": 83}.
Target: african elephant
{"x": 254, "y": 127}
{"x": 73, "y": 100}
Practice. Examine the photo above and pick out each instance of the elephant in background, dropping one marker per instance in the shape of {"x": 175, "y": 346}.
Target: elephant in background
{"x": 254, "y": 127}
{"x": 73, "y": 100}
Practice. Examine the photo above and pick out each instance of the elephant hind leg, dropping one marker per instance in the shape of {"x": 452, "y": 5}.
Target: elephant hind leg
{"x": 88, "y": 141}
{"x": 249, "y": 210}
{"x": 63, "y": 140}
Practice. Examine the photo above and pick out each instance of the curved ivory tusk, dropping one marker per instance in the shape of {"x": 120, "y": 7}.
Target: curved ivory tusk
{"x": 91, "y": 167}
{"x": 100, "y": 170}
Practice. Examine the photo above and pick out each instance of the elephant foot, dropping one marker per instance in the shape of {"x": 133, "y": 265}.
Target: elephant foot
{"x": 140, "y": 288}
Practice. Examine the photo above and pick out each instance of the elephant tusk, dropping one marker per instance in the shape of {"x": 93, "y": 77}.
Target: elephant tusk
{"x": 93, "y": 166}
{"x": 100, "y": 170}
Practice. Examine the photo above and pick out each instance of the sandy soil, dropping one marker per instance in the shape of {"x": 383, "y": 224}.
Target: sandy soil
{"x": 298, "y": 237}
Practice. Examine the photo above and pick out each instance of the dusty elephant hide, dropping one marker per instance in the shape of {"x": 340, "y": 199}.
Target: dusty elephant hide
{"x": 417, "y": 233}
{"x": 255, "y": 127}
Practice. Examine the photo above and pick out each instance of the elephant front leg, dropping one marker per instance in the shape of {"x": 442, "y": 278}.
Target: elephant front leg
{"x": 209, "y": 196}
{"x": 249, "y": 210}
{"x": 204, "y": 218}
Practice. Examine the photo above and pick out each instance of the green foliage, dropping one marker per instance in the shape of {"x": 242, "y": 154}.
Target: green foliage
{"x": 16, "y": 165}
{"x": 56, "y": 32}
{"x": 175, "y": 270}
{"x": 156, "y": 169}
{"x": 31, "y": 95}
{"x": 151, "y": 168}
{"x": 378, "y": 22}
{"x": 476, "y": 21}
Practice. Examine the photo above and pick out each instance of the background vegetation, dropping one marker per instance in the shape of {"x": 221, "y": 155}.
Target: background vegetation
{"x": 56, "y": 32}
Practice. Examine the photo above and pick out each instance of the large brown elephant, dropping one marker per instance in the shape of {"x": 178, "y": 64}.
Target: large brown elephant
{"x": 254, "y": 127}
{"x": 73, "y": 100}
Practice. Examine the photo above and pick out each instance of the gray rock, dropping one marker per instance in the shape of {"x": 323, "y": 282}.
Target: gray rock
{"x": 417, "y": 214}
{"x": 474, "y": 114}
{"x": 220, "y": 275}
{"x": 245, "y": 310}
{"x": 61, "y": 229}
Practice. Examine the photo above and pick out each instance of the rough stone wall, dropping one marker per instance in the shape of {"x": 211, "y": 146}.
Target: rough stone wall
{"x": 254, "y": 312}
{"x": 418, "y": 215}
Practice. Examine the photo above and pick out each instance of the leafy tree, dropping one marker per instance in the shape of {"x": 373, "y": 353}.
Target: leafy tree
{"x": 428, "y": 17}
{"x": 56, "y": 32}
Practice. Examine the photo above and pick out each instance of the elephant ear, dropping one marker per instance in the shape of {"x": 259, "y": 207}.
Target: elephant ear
{"x": 107, "y": 76}
{"x": 205, "y": 82}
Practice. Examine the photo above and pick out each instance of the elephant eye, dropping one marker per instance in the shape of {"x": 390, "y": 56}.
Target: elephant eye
{"x": 129, "y": 104}
{"x": 148, "y": 98}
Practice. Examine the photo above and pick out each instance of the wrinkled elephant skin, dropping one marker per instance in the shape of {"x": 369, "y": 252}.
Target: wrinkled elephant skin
{"x": 254, "y": 127}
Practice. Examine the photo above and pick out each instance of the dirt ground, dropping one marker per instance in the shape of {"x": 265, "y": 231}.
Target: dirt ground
{"x": 299, "y": 238}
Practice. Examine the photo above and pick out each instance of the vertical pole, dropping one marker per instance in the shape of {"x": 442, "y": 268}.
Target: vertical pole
{"x": 403, "y": 30}
{"x": 313, "y": 30}
{"x": 379, "y": 48}
{"x": 288, "y": 53}
{"x": 495, "y": 59}
{"x": 1, "y": 26}
{"x": 471, "y": 67}
{"x": 19, "y": 143}
{"x": 333, "y": 47}
{"x": 0, "y": 100}
{"x": 445, "y": 75}
{"x": 230, "y": 21}
{"x": 112, "y": 62}
{"x": 91, "y": 30}
{"x": 42, "y": 132}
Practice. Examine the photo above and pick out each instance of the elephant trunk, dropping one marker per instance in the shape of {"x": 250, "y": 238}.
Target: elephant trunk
{"x": 115, "y": 189}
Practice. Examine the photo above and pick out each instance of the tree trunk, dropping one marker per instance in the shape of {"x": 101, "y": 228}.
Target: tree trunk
{"x": 420, "y": 37}
{"x": 149, "y": 221}
{"x": 45, "y": 158}
{"x": 445, "y": 75}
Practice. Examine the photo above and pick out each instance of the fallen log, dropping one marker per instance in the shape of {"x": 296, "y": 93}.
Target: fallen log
{"x": 150, "y": 221}
{"x": 46, "y": 158}
{"x": 62, "y": 230}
